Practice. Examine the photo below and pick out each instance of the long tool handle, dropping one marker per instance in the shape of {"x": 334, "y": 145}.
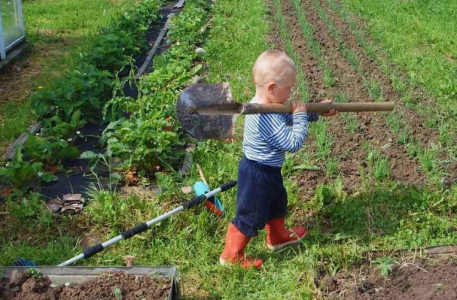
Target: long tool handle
{"x": 91, "y": 251}
{"x": 256, "y": 108}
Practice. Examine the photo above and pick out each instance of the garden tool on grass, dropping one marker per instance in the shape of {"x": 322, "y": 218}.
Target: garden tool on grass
{"x": 91, "y": 251}
{"x": 201, "y": 187}
{"x": 208, "y": 111}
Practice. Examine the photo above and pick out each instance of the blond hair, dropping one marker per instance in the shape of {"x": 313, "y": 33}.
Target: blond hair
{"x": 273, "y": 66}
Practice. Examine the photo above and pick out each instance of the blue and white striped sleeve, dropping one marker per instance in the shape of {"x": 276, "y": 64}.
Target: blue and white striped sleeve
{"x": 312, "y": 117}
{"x": 274, "y": 130}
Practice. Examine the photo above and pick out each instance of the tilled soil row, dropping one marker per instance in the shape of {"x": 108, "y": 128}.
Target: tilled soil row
{"x": 308, "y": 180}
{"x": 373, "y": 129}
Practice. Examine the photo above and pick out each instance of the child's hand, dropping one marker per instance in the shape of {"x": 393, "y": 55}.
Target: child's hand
{"x": 298, "y": 106}
{"x": 331, "y": 112}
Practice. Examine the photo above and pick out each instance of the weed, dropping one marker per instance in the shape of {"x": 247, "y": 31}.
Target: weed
{"x": 385, "y": 265}
{"x": 446, "y": 138}
{"x": 405, "y": 137}
{"x": 29, "y": 208}
{"x": 397, "y": 83}
{"x": 428, "y": 158}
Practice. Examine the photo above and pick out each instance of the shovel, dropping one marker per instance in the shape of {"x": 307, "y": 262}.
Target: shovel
{"x": 208, "y": 111}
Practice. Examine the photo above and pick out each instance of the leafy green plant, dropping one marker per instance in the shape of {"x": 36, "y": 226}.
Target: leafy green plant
{"x": 29, "y": 207}
{"x": 23, "y": 175}
{"x": 35, "y": 273}
{"x": 117, "y": 293}
{"x": 149, "y": 138}
{"x": 57, "y": 128}
{"x": 385, "y": 265}
{"x": 81, "y": 89}
{"x": 49, "y": 150}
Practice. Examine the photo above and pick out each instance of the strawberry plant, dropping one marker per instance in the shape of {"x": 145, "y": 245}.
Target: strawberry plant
{"x": 81, "y": 89}
{"x": 59, "y": 129}
{"x": 21, "y": 175}
{"x": 49, "y": 151}
{"x": 149, "y": 137}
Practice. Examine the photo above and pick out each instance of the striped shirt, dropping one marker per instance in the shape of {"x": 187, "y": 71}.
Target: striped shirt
{"x": 267, "y": 137}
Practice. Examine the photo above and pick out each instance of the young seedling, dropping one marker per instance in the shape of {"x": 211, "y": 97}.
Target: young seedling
{"x": 341, "y": 97}
{"x": 35, "y": 273}
{"x": 328, "y": 78}
{"x": 117, "y": 293}
{"x": 353, "y": 58}
{"x": 378, "y": 164}
{"x": 405, "y": 136}
{"x": 332, "y": 166}
{"x": 394, "y": 120}
{"x": 352, "y": 123}
{"x": 324, "y": 142}
{"x": 374, "y": 89}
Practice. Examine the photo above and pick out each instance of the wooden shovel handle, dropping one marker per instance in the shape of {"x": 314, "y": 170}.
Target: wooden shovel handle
{"x": 256, "y": 108}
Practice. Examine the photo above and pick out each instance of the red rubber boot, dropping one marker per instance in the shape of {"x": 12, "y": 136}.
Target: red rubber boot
{"x": 279, "y": 236}
{"x": 233, "y": 253}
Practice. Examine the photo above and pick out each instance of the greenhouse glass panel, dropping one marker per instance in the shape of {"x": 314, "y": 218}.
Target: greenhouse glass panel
{"x": 12, "y": 24}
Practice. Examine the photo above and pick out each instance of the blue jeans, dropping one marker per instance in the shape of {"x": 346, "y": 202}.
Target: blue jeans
{"x": 261, "y": 196}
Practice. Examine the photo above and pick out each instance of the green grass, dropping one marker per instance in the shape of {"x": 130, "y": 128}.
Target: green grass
{"x": 57, "y": 32}
{"x": 420, "y": 37}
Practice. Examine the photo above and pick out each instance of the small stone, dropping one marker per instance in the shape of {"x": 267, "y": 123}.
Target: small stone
{"x": 17, "y": 278}
{"x": 186, "y": 189}
{"x": 30, "y": 285}
{"x": 139, "y": 293}
{"x": 200, "y": 51}
{"x": 329, "y": 283}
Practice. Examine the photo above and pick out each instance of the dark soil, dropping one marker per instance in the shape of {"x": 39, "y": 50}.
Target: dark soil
{"x": 22, "y": 286}
{"x": 418, "y": 281}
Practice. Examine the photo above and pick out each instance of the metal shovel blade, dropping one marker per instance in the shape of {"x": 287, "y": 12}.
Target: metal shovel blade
{"x": 200, "y": 126}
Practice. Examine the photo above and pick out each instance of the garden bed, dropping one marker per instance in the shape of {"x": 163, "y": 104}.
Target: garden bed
{"x": 89, "y": 283}
{"x": 426, "y": 279}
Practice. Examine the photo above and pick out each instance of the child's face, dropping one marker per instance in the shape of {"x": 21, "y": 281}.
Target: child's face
{"x": 279, "y": 93}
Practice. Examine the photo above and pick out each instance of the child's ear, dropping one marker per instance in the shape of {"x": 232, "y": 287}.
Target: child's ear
{"x": 271, "y": 87}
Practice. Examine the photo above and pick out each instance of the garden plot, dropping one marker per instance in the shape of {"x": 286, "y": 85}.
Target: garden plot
{"x": 89, "y": 283}
{"x": 422, "y": 279}
{"x": 397, "y": 146}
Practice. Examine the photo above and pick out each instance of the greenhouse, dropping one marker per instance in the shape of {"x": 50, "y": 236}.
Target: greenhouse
{"x": 11, "y": 27}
